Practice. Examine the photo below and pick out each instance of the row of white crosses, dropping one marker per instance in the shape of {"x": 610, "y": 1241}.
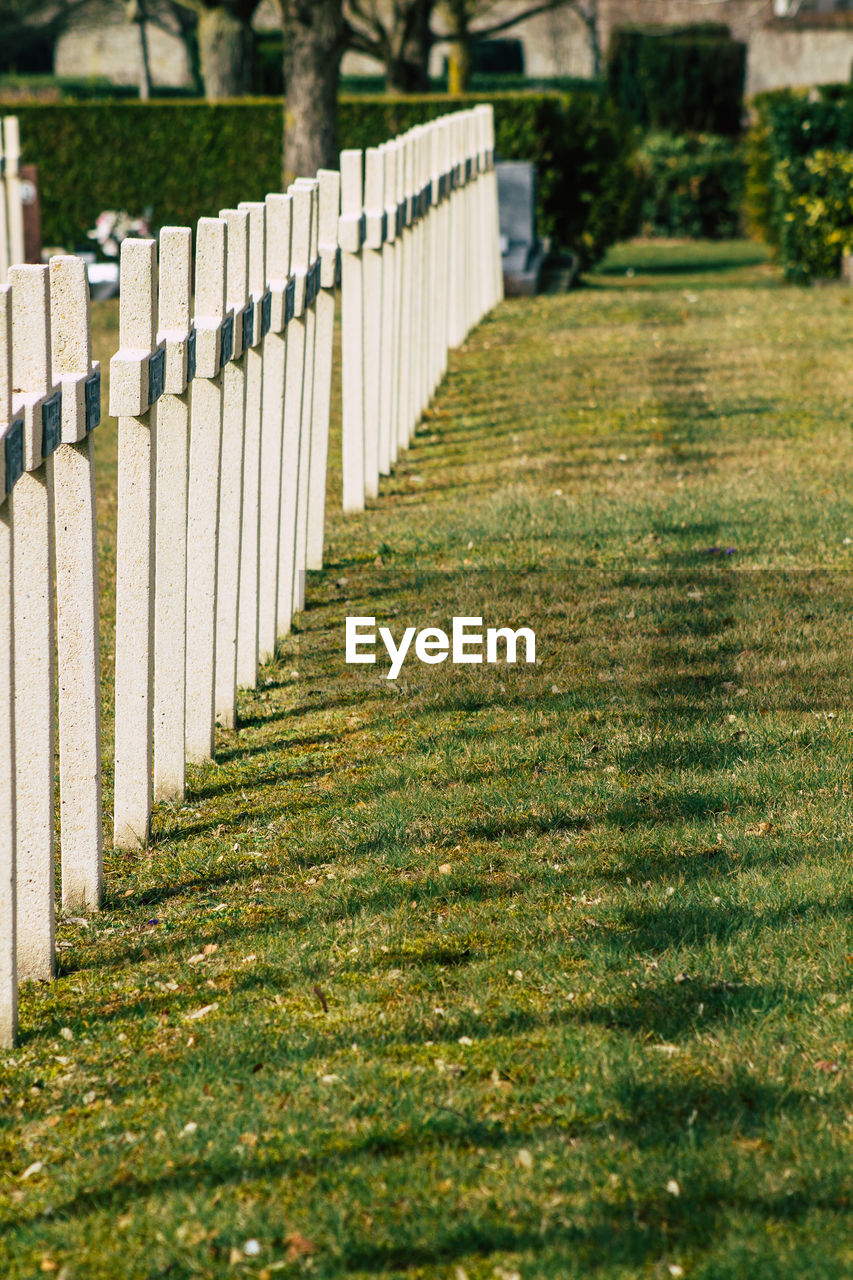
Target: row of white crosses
{"x": 223, "y": 439}
{"x": 49, "y": 405}
{"x": 420, "y": 266}
{"x": 222, "y": 390}
{"x": 11, "y": 208}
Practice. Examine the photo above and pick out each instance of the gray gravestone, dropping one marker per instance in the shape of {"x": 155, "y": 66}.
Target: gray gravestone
{"x": 522, "y": 253}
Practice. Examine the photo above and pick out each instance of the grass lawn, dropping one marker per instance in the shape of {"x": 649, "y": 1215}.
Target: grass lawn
{"x": 490, "y": 971}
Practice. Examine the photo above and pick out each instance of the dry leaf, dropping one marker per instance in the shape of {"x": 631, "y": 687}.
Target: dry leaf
{"x": 298, "y": 1246}
{"x": 203, "y": 1012}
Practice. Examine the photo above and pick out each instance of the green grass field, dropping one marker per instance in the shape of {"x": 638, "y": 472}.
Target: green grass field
{"x": 492, "y": 972}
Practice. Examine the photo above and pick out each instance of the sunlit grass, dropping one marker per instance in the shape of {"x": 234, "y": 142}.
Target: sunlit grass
{"x": 538, "y": 970}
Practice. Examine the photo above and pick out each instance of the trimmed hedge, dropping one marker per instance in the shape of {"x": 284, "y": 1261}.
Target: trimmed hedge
{"x": 799, "y": 195}
{"x": 690, "y": 185}
{"x": 679, "y": 79}
{"x": 183, "y": 159}
{"x": 188, "y": 159}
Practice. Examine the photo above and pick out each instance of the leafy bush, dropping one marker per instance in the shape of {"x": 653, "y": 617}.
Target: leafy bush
{"x": 690, "y": 185}
{"x": 679, "y": 79}
{"x": 188, "y": 159}
{"x": 817, "y": 223}
{"x": 798, "y": 190}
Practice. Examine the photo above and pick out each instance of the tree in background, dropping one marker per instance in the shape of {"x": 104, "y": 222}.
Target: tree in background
{"x": 225, "y": 44}
{"x": 315, "y": 37}
{"x": 400, "y": 34}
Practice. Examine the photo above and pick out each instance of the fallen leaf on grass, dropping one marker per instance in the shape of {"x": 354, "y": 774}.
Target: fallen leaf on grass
{"x": 202, "y": 1012}
{"x": 759, "y": 828}
{"x": 831, "y": 1068}
{"x": 31, "y": 1170}
{"x": 299, "y": 1246}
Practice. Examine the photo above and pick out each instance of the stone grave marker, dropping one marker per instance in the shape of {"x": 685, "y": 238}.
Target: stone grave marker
{"x": 228, "y": 552}
{"x": 78, "y": 641}
{"x": 171, "y": 498}
{"x": 136, "y": 376}
{"x": 272, "y": 422}
{"x": 327, "y": 244}
{"x": 522, "y": 255}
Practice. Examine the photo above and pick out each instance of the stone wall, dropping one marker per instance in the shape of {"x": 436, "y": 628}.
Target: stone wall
{"x": 778, "y": 58}
{"x": 100, "y": 42}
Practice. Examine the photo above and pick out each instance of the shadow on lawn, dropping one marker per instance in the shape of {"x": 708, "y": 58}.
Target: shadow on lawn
{"x": 613, "y": 1227}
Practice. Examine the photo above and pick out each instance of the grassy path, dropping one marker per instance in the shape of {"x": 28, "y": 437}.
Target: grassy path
{"x": 505, "y": 971}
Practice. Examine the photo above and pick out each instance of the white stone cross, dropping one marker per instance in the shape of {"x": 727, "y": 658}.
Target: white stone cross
{"x": 78, "y": 640}
{"x": 388, "y": 155}
{"x": 272, "y": 421}
{"x": 312, "y": 288}
{"x": 302, "y": 204}
{"x": 351, "y": 237}
{"x": 136, "y": 384}
{"x": 236, "y": 222}
{"x": 12, "y": 214}
{"x": 372, "y": 267}
{"x": 258, "y": 306}
{"x": 420, "y": 338}
{"x": 437, "y": 251}
{"x": 472, "y": 226}
{"x": 11, "y": 461}
{"x": 37, "y": 401}
{"x": 444, "y": 231}
{"x": 491, "y": 221}
{"x": 170, "y": 573}
{"x": 213, "y": 330}
{"x": 404, "y": 388}
{"x": 395, "y": 196}
{"x": 327, "y": 244}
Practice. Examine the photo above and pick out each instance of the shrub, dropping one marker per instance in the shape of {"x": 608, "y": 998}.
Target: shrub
{"x": 184, "y": 159}
{"x": 798, "y": 182}
{"x": 679, "y": 79}
{"x": 817, "y": 223}
{"x": 690, "y": 185}
{"x": 187, "y": 159}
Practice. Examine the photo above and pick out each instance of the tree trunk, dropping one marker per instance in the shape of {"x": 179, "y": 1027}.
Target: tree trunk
{"x": 403, "y": 76}
{"x": 135, "y": 13}
{"x": 458, "y": 67}
{"x": 407, "y": 66}
{"x": 145, "y": 61}
{"x": 314, "y": 45}
{"x": 226, "y": 47}
{"x": 590, "y": 17}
